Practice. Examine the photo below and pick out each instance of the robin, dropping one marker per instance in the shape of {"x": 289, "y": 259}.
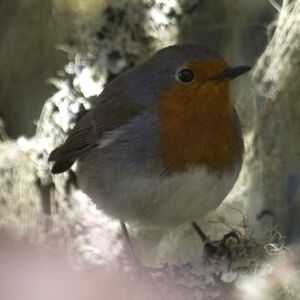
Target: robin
{"x": 163, "y": 145}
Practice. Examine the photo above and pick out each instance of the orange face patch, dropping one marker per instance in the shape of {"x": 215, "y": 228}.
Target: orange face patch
{"x": 198, "y": 121}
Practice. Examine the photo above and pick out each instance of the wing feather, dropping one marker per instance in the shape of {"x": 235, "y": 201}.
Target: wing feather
{"x": 105, "y": 116}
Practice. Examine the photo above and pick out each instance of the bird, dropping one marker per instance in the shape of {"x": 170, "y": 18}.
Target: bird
{"x": 163, "y": 145}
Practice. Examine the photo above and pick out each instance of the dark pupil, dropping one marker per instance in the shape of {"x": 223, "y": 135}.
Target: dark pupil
{"x": 185, "y": 75}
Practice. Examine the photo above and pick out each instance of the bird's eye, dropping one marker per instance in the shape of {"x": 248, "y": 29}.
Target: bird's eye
{"x": 185, "y": 75}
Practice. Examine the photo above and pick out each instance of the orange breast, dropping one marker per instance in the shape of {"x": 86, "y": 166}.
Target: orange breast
{"x": 198, "y": 126}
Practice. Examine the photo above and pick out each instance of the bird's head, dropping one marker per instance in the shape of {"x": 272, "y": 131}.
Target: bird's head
{"x": 189, "y": 87}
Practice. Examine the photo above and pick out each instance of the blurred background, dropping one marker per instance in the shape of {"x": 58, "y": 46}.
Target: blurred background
{"x": 38, "y": 38}
{"x": 57, "y": 55}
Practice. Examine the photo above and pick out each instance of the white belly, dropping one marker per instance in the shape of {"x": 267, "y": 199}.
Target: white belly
{"x": 168, "y": 200}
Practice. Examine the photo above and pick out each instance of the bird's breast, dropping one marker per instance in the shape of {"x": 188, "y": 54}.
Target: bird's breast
{"x": 198, "y": 128}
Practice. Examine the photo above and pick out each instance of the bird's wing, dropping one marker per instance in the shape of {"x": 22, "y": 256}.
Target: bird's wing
{"x": 108, "y": 115}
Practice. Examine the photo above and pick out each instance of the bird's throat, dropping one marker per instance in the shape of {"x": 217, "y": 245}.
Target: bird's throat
{"x": 198, "y": 127}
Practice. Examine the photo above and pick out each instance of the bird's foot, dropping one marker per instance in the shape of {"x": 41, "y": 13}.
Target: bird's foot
{"x": 218, "y": 249}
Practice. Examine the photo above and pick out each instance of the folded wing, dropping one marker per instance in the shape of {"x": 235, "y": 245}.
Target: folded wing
{"x": 107, "y": 115}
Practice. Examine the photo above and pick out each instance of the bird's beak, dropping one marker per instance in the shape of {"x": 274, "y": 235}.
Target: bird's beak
{"x": 231, "y": 73}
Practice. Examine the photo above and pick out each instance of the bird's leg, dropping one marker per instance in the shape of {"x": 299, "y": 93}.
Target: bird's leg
{"x": 128, "y": 242}
{"x": 201, "y": 234}
{"x": 210, "y": 248}
{"x": 139, "y": 266}
{"x": 141, "y": 270}
{"x": 216, "y": 247}
{"x": 134, "y": 257}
